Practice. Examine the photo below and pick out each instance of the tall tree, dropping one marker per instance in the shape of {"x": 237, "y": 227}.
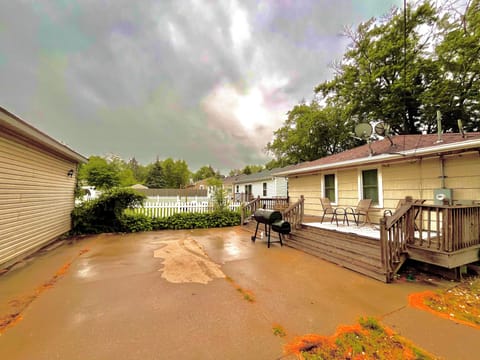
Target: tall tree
{"x": 139, "y": 171}
{"x": 310, "y": 132}
{"x": 456, "y": 89}
{"x": 176, "y": 173}
{"x": 155, "y": 177}
{"x": 204, "y": 172}
{"x": 385, "y": 70}
{"x": 99, "y": 173}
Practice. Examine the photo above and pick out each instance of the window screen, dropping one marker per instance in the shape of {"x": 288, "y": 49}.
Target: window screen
{"x": 329, "y": 187}
{"x": 370, "y": 185}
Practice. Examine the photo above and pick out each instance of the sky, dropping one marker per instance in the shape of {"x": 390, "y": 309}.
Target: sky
{"x": 205, "y": 81}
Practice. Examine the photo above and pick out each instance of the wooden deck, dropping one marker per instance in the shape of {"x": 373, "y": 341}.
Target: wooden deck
{"x": 444, "y": 236}
{"x": 346, "y": 248}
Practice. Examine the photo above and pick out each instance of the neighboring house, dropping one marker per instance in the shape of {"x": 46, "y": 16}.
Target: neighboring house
{"x": 438, "y": 170}
{"x": 263, "y": 184}
{"x": 37, "y": 182}
{"x": 204, "y": 184}
{"x": 228, "y": 186}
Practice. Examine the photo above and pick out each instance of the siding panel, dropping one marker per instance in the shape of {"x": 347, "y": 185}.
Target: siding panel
{"x": 36, "y": 198}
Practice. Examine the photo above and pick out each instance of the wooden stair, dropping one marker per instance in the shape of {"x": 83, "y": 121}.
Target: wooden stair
{"x": 352, "y": 251}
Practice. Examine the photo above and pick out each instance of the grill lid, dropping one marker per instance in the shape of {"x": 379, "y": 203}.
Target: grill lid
{"x": 267, "y": 216}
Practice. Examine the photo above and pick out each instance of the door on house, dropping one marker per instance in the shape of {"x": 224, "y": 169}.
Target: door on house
{"x": 248, "y": 192}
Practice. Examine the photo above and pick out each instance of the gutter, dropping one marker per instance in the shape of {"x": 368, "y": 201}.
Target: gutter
{"x": 405, "y": 155}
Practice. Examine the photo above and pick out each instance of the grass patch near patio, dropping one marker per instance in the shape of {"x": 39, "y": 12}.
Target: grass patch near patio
{"x": 278, "y": 330}
{"x": 460, "y": 303}
{"x": 367, "y": 339}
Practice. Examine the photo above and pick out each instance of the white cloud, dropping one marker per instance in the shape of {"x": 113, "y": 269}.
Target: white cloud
{"x": 251, "y": 115}
{"x": 240, "y": 32}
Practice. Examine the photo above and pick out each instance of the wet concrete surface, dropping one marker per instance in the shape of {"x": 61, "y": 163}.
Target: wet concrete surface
{"x": 115, "y": 302}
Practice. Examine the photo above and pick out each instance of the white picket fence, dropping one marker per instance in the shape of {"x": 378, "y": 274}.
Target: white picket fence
{"x": 165, "y": 209}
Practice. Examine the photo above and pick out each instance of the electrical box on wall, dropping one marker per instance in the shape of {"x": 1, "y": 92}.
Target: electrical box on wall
{"x": 442, "y": 196}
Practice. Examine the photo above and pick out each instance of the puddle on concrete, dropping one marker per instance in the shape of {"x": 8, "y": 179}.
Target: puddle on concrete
{"x": 186, "y": 262}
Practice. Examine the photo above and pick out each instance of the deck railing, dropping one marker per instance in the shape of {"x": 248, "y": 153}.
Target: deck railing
{"x": 249, "y": 208}
{"x": 395, "y": 232}
{"x": 439, "y": 228}
{"x": 294, "y": 213}
{"x": 446, "y": 228}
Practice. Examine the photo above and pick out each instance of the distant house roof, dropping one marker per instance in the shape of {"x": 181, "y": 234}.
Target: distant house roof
{"x": 139, "y": 186}
{"x": 398, "y": 148}
{"x": 172, "y": 192}
{"x": 258, "y": 176}
{"x": 15, "y": 126}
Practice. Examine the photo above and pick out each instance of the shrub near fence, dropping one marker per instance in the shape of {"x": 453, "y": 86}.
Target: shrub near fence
{"x": 165, "y": 209}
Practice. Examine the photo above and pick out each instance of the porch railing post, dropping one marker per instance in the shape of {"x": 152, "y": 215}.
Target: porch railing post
{"x": 384, "y": 251}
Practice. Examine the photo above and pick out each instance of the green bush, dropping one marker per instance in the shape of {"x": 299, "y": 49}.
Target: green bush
{"x": 105, "y": 214}
{"x": 135, "y": 223}
{"x": 219, "y": 218}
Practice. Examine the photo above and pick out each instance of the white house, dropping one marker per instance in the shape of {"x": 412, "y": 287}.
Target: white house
{"x": 263, "y": 184}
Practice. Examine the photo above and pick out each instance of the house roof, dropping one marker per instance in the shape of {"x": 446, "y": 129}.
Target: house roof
{"x": 397, "y": 148}
{"x": 10, "y": 123}
{"x": 139, "y": 186}
{"x": 258, "y": 176}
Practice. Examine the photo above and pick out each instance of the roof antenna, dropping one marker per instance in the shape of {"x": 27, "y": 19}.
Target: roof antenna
{"x": 383, "y": 129}
{"x": 460, "y": 128}
{"x": 439, "y": 127}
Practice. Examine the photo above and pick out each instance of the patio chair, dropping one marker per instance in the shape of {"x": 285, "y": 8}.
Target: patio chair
{"x": 329, "y": 209}
{"x": 362, "y": 209}
{"x": 401, "y": 202}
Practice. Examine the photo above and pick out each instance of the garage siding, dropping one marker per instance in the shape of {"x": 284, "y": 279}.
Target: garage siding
{"x": 36, "y": 198}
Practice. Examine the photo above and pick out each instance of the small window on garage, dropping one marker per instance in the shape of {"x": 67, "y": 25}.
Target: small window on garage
{"x": 264, "y": 189}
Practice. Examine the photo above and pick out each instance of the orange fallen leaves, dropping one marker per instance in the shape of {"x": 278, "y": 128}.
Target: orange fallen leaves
{"x": 20, "y": 304}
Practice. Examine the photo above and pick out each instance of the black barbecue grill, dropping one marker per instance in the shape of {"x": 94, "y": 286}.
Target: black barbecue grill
{"x": 272, "y": 220}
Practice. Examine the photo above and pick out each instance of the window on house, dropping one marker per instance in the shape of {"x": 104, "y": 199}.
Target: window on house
{"x": 264, "y": 189}
{"x": 329, "y": 187}
{"x": 370, "y": 185}
{"x": 238, "y": 189}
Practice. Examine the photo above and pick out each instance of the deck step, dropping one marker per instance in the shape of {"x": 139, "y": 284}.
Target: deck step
{"x": 352, "y": 251}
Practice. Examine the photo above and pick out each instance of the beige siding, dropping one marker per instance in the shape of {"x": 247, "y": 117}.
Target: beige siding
{"x": 309, "y": 187}
{"x": 347, "y": 188}
{"x": 463, "y": 176}
{"x": 416, "y": 178}
{"x": 36, "y": 198}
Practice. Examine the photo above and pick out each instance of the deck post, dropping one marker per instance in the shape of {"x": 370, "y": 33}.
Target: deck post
{"x": 384, "y": 249}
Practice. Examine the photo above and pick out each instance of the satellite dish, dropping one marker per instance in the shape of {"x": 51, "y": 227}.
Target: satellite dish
{"x": 363, "y": 130}
{"x": 380, "y": 129}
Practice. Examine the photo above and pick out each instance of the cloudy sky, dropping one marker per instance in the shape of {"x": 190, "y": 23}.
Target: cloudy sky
{"x": 207, "y": 81}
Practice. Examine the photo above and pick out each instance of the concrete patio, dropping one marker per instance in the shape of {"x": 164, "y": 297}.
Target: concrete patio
{"x": 181, "y": 295}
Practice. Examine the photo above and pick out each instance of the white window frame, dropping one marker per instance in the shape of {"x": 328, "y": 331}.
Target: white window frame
{"x": 379, "y": 182}
{"x": 322, "y": 185}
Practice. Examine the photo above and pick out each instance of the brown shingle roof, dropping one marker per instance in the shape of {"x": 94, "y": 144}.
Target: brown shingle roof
{"x": 384, "y": 150}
